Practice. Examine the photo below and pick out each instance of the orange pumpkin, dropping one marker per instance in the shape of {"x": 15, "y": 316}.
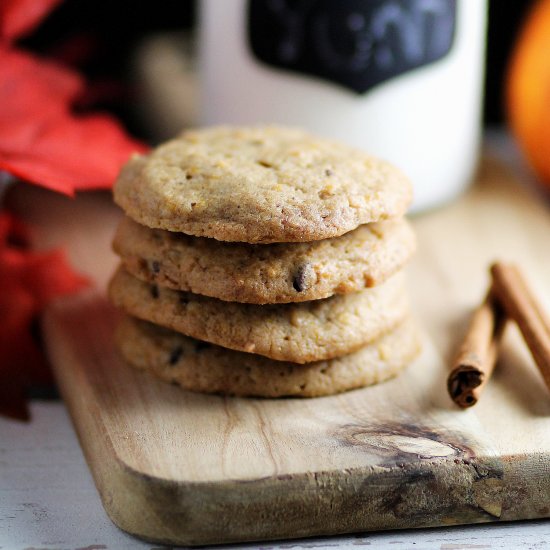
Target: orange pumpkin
{"x": 528, "y": 90}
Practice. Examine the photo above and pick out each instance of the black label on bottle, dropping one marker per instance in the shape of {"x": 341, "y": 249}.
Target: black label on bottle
{"x": 355, "y": 43}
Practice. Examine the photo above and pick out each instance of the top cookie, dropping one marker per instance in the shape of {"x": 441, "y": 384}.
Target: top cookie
{"x": 259, "y": 185}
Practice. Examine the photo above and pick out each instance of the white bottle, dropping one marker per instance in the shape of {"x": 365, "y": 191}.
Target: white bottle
{"x": 401, "y": 79}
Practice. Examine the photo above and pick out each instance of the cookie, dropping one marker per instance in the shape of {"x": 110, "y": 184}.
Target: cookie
{"x": 259, "y": 185}
{"x": 304, "y": 332}
{"x": 206, "y": 368}
{"x": 265, "y": 274}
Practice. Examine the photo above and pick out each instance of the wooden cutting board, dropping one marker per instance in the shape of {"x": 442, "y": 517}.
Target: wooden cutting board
{"x": 176, "y": 467}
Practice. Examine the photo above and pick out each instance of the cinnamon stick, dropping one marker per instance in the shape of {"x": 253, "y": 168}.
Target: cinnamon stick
{"x": 520, "y": 304}
{"x": 476, "y": 357}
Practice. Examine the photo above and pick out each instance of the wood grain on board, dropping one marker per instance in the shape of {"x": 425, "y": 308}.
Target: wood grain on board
{"x": 182, "y": 468}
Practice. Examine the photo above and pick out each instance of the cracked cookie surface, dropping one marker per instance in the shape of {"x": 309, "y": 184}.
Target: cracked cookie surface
{"x": 259, "y": 185}
{"x": 303, "y": 332}
{"x": 206, "y": 368}
{"x": 265, "y": 274}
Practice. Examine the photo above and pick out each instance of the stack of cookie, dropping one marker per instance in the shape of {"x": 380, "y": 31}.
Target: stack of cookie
{"x": 263, "y": 261}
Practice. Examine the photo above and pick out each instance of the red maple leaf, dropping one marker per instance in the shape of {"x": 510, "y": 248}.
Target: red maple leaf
{"x": 45, "y": 142}
{"x": 42, "y": 139}
{"x": 30, "y": 280}
{"x": 19, "y": 17}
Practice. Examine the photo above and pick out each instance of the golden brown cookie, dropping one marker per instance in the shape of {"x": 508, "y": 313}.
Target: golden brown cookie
{"x": 259, "y": 185}
{"x": 265, "y": 274}
{"x": 202, "y": 367}
{"x": 303, "y": 332}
